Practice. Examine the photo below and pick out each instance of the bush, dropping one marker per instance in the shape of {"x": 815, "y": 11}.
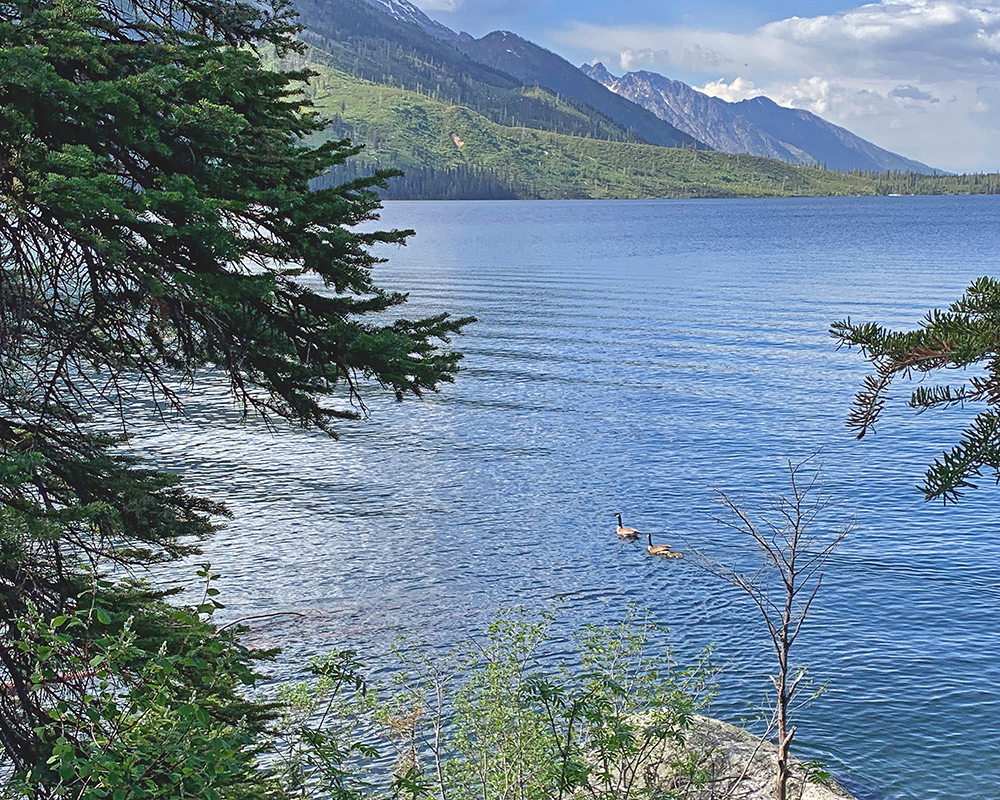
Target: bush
{"x": 498, "y": 719}
{"x": 137, "y": 722}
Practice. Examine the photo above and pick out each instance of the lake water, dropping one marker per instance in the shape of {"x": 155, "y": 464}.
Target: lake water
{"x": 632, "y": 357}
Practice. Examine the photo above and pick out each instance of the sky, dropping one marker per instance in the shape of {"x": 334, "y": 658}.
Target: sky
{"x": 918, "y": 77}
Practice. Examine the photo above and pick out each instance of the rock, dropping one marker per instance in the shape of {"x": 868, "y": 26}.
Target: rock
{"x": 743, "y": 767}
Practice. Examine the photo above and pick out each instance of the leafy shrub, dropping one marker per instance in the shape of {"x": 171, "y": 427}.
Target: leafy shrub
{"x": 498, "y": 718}
{"x": 136, "y": 722}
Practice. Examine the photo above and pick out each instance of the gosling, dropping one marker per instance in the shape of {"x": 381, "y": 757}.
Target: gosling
{"x": 625, "y": 533}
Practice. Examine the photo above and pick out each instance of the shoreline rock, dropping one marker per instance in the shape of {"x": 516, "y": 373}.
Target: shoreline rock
{"x": 742, "y": 766}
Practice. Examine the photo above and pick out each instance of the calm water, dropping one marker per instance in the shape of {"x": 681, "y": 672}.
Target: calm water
{"x": 632, "y": 356}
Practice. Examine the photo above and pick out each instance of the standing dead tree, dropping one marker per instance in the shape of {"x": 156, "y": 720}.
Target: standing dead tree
{"x": 793, "y": 545}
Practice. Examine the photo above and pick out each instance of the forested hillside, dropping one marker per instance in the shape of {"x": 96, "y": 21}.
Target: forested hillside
{"x": 355, "y": 38}
{"x": 461, "y": 129}
{"x": 449, "y": 151}
{"x": 540, "y": 67}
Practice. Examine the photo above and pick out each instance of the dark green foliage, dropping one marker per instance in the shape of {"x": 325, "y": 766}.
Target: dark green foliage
{"x": 156, "y": 218}
{"x": 459, "y": 182}
{"x": 537, "y": 66}
{"x": 966, "y": 335}
{"x": 68, "y": 510}
{"x": 913, "y": 183}
{"x": 154, "y": 707}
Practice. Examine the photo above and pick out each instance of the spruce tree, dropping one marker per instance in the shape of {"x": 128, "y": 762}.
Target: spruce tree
{"x": 156, "y": 219}
{"x": 965, "y": 335}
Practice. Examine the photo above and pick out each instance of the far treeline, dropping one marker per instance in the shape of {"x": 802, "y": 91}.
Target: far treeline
{"x": 463, "y": 182}
{"x": 460, "y": 182}
{"x": 912, "y": 183}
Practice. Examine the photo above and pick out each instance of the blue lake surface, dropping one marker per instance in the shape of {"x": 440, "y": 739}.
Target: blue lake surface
{"x": 633, "y": 357}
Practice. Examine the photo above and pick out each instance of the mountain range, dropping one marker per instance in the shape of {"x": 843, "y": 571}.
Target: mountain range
{"x": 407, "y": 12}
{"x": 758, "y": 126}
{"x": 391, "y": 49}
{"x": 500, "y": 117}
{"x": 534, "y": 65}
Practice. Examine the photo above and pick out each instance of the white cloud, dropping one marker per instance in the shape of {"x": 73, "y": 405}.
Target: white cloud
{"x": 825, "y": 98}
{"x": 921, "y": 38}
{"x": 948, "y": 128}
{"x": 921, "y": 77}
{"x": 486, "y": 8}
{"x": 439, "y": 5}
{"x": 734, "y": 92}
{"x": 987, "y": 109}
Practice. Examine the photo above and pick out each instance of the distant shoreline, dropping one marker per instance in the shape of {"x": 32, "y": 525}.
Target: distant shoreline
{"x": 672, "y": 199}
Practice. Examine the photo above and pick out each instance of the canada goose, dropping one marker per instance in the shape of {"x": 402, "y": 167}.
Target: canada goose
{"x": 662, "y": 550}
{"x": 625, "y": 533}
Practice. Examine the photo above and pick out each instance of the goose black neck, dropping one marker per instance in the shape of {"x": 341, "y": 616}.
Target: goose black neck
{"x": 649, "y": 536}
{"x": 619, "y": 519}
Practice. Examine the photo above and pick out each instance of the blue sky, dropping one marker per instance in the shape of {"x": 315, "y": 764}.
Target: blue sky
{"x": 919, "y": 77}
{"x": 535, "y": 17}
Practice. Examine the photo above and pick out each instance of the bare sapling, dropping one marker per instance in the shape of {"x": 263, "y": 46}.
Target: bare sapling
{"x": 794, "y": 544}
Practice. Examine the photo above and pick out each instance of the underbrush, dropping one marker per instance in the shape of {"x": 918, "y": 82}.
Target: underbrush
{"x": 499, "y": 718}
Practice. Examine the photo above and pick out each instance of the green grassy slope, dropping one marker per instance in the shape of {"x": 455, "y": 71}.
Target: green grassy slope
{"x": 450, "y": 151}
{"x": 414, "y": 132}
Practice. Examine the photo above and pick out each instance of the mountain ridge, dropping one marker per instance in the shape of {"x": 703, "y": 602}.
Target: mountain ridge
{"x": 405, "y": 11}
{"x": 461, "y": 129}
{"x": 533, "y": 64}
{"x": 448, "y": 151}
{"x": 361, "y": 38}
{"x": 756, "y": 126}
{"x": 646, "y": 106}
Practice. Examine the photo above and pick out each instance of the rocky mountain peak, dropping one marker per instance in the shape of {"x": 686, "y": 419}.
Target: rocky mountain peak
{"x": 756, "y": 126}
{"x": 598, "y": 72}
{"x": 405, "y": 11}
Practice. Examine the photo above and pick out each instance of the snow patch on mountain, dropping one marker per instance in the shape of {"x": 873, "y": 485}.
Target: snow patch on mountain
{"x": 405, "y": 11}
{"x": 755, "y": 125}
